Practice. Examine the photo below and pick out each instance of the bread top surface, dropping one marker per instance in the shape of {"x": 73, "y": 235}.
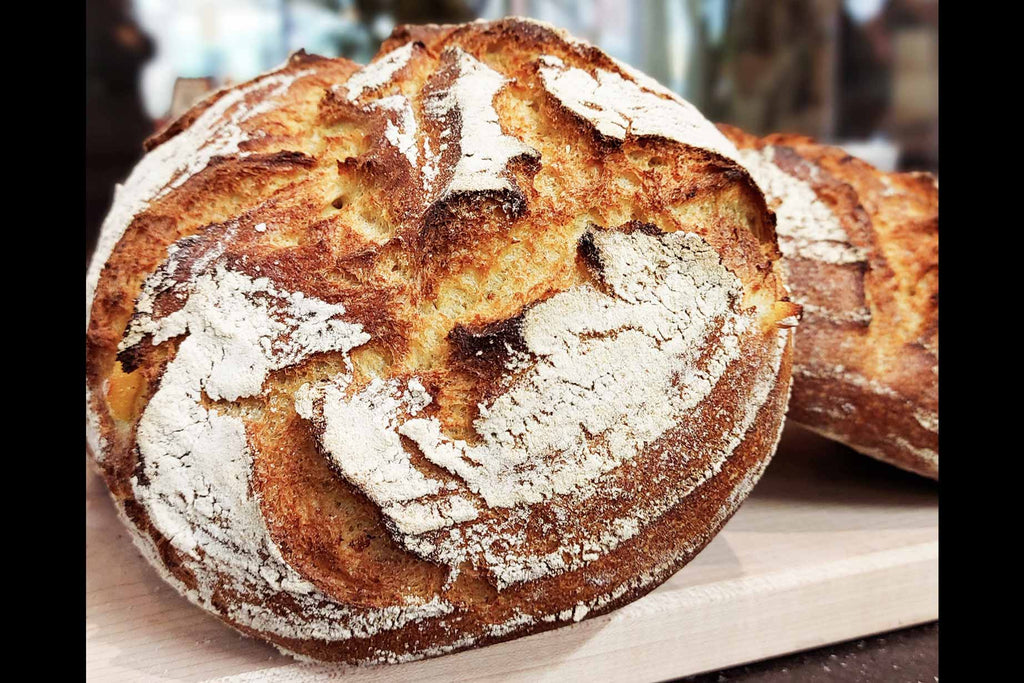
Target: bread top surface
{"x": 438, "y": 335}
{"x": 862, "y": 258}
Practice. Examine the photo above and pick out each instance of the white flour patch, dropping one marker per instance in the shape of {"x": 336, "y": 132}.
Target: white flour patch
{"x": 806, "y": 226}
{"x": 431, "y": 164}
{"x": 360, "y": 434}
{"x": 468, "y": 110}
{"x": 196, "y": 465}
{"x": 216, "y": 132}
{"x": 616, "y": 107}
{"x": 400, "y": 128}
{"x": 378, "y": 72}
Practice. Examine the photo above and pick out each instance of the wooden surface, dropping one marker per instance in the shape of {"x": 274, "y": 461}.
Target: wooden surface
{"x": 830, "y": 546}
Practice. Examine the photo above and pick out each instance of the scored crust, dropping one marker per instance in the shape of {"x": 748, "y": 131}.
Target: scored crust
{"x": 480, "y": 339}
{"x": 860, "y": 247}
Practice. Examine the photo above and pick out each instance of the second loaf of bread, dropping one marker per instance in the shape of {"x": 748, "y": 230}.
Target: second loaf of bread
{"x": 860, "y": 251}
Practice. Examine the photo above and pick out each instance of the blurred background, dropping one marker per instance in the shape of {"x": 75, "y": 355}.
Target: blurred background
{"x": 859, "y": 73}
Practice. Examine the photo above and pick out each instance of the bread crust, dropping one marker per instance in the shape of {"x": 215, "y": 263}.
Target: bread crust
{"x": 866, "y": 368}
{"x": 308, "y": 351}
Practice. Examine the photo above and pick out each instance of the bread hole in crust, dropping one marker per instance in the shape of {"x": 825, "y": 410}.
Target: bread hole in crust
{"x": 361, "y": 212}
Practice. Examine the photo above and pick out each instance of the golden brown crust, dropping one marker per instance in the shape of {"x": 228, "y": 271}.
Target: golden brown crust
{"x": 365, "y": 266}
{"x": 866, "y": 370}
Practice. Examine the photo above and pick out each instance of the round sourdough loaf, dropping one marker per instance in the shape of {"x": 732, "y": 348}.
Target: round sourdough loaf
{"x": 480, "y": 339}
{"x": 861, "y": 254}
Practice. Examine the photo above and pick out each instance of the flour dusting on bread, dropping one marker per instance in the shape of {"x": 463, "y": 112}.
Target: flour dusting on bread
{"x": 216, "y": 132}
{"x": 617, "y": 107}
{"x": 460, "y": 97}
{"x": 379, "y": 72}
{"x": 806, "y": 227}
{"x": 608, "y": 374}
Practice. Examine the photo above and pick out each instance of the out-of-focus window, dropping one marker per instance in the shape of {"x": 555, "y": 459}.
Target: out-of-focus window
{"x": 860, "y": 73}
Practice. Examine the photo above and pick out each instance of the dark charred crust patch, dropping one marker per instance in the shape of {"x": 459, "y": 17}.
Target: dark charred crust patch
{"x": 490, "y": 341}
{"x": 463, "y": 206}
{"x": 587, "y": 250}
{"x": 484, "y": 352}
{"x": 131, "y": 358}
{"x": 140, "y": 470}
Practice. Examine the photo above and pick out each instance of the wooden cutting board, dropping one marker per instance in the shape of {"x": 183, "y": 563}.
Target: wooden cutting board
{"x": 830, "y": 546}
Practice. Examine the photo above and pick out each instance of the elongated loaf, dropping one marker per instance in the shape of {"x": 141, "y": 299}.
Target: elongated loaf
{"x": 861, "y": 255}
{"x": 480, "y": 339}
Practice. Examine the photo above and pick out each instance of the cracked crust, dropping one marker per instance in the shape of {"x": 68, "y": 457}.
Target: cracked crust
{"x": 866, "y": 366}
{"x": 321, "y": 265}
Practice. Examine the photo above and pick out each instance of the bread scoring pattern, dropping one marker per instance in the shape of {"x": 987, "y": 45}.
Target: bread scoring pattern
{"x": 596, "y": 381}
{"x": 215, "y": 133}
{"x": 433, "y": 357}
{"x": 194, "y": 477}
{"x": 617, "y": 106}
